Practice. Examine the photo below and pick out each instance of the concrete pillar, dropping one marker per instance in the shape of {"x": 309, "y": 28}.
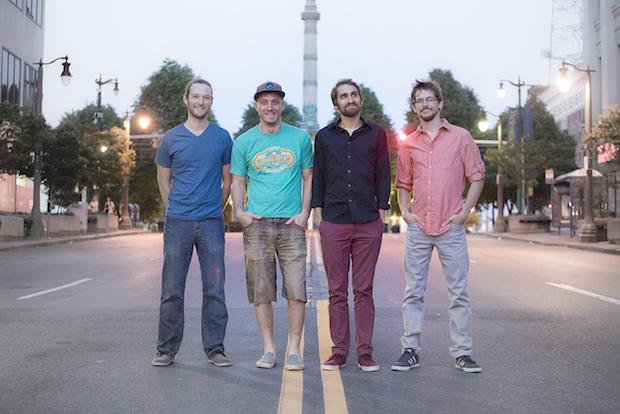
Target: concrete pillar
{"x": 310, "y": 16}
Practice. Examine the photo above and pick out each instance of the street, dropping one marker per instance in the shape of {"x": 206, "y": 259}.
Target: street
{"x": 546, "y": 333}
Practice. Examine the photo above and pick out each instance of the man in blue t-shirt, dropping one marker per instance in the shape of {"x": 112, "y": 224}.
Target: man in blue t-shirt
{"x": 276, "y": 161}
{"x": 193, "y": 172}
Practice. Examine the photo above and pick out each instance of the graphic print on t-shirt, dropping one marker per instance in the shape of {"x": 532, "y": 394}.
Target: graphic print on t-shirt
{"x": 273, "y": 160}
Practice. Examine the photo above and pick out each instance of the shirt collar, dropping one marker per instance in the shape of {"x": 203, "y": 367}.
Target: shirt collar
{"x": 444, "y": 125}
{"x": 335, "y": 125}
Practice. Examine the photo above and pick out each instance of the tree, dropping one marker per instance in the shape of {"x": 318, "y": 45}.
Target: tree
{"x": 461, "y": 106}
{"x": 605, "y": 136}
{"x": 84, "y": 118}
{"x": 290, "y": 115}
{"x": 162, "y": 96}
{"x": 20, "y": 134}
{"x": 548, "y": 147}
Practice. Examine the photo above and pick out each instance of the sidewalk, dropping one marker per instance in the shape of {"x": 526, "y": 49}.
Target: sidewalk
{"x": 553, "y": 238}
{"x": 18, "y": 244}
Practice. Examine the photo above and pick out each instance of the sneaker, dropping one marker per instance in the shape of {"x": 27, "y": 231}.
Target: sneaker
{"x": 466, "y": 364}
{"x": 268, "y": 360}
{"x": 408, "y": 360}
{"x": 163, "y": 359}
{"x": 218, "y": 358}
{"x": 294, "y": 363}
{"x": 334, "y": 363}
{"x": 367, "y": 364}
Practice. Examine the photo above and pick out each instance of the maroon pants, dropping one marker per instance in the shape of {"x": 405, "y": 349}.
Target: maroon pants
{"x": 358, "y": 244}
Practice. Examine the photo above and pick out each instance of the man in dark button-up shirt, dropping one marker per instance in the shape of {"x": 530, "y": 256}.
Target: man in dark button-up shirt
{"x": 350, "y": 192}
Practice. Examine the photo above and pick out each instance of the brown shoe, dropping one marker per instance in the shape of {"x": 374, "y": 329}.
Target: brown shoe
{"x": 334, "y": 363}
{"x": 367, "y": 364}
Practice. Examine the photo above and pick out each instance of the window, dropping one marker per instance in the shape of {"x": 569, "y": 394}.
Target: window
{"x": 10, "y": 79}
{"x": 34, "y": 10}
{"x": 18, "y": 3}
{"x": 30, "y": 85}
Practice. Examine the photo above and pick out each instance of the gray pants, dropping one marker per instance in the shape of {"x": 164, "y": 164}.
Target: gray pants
{"x": 452, "y": 249}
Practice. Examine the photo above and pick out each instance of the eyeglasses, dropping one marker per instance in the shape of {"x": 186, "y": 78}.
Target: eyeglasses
{"x": 428, "y": 100}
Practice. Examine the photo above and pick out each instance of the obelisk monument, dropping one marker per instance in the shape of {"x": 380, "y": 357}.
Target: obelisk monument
{"x": 310, "y": 16}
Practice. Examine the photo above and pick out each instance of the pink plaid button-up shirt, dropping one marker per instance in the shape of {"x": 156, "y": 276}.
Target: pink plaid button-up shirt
{"x": 435, "y": 171}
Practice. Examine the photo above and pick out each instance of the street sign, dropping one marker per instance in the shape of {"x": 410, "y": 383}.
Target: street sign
{"x": 549, "y": 176}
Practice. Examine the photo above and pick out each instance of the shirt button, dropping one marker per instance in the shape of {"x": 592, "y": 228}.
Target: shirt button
{"x": 349, "y": 185}
{"x": 349, "y": 171}
{"x": 350, "y": 201}
{"x": 348, "y": 156}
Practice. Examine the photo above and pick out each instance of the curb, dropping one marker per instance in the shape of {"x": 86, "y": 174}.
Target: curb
{"x": 587, "y": 247}
{"x": 23, "y": 244}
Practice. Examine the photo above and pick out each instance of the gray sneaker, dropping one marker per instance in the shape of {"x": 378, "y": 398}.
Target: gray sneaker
{"x": 268, "y": 360}
{"x": 294, "y": 363}
{"x": 219, "y": 359}
{"x": 162, "y": 359}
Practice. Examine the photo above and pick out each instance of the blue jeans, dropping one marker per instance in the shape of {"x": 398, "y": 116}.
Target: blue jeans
{"x": 180, "y": 237}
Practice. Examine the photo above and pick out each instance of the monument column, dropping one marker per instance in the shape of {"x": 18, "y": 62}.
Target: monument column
{"x": 310, "y": 16}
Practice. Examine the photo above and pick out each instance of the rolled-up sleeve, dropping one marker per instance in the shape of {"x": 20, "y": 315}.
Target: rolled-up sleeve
{"x": 382, "y": 172}
{"x": 472, "y": 161}
{"x": 404, "y": 170}
{"x": 318, "y": 176}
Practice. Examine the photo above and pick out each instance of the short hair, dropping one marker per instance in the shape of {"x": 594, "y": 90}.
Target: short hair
{"x": 334, "y": 93}
{"x": 194, "y": 82}
{"x": 429, "y": 85}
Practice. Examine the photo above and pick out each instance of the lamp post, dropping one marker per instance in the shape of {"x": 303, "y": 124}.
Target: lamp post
{"x": 36, "y": 230}
{"x": 500, "y": 224}
{"x": 100, "y": 83}
{"x": 143, "y": 122}
{"x": 501, "y": 92}
{"x": 587, "y": 230}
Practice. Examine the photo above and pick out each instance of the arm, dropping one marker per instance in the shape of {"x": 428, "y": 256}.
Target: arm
{"x": 383, "y": 175}
{"x": 404, "y": 201}
{"x": 301, "y": 219}
{"x": 226, "y": 182}
{"x": 238, "y": 196}
{"x": 475, "y": 189}
{"x": 164, "y": 179}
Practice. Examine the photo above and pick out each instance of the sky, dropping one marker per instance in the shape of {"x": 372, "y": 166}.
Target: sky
{"x": 238, "y": 44}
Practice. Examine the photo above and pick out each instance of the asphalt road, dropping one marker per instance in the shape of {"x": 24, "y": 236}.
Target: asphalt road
{"x": 546, "y": 333}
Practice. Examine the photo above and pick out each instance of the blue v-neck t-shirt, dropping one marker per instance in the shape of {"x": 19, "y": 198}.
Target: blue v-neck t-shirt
{"x": 196, "y": 163}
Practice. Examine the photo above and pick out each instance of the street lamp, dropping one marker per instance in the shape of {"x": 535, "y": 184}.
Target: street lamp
{"x": 501, "y": 92}
{"x": 100, "y": 83}
{"x": 143, "y": 122}
{"x": 36, "y": 230}
{"x": 500, "y": 225}
{"x": 587, "y": 230}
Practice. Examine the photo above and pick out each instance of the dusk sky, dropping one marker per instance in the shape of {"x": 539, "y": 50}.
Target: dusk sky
{"x": 238, "y": 44}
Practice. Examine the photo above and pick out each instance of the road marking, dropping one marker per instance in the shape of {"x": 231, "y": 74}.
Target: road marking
{"x": 585, "y": 293}
{"x": 77, "y": 282}
{"x": 292, "y": 390}
{"x": 334, "y": 399}
{"x": 317, "y": 248}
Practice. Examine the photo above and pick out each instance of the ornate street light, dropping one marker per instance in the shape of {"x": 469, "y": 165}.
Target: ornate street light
{"x": 36, "y": 229}
{"x": 587, "y": 229}
{"x": 100, "y": 83}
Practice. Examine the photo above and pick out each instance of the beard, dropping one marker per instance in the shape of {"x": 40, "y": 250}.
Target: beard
{"x": 199, "y": 113}
{"x": 429, "y": 117}
{"x": 351, "y": 110}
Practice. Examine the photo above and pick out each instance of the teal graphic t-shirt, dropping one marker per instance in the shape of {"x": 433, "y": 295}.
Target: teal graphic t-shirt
{"x": 272, "y": 165}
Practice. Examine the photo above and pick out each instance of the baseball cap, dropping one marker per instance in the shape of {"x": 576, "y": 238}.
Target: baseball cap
{"x": 269, "y": 87}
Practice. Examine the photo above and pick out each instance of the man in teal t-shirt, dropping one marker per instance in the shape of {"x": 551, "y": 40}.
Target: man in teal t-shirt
{"x": 275, "y": 160}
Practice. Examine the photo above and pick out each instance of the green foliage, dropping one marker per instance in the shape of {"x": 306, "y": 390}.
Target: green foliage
{"x": 605, "y": 136}
{"x": 461, "y": 106}
{"x": 20, "y": 134}
{"x": 548, "y": 147}
{"x": 84, "y": 118}
{"x": 143, "y": 187}
{"x": 162, "y": 96}
{"x": 290, "y": 115}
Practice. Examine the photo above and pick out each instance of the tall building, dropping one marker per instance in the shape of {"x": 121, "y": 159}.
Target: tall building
{"x": 602, "y": 53}
{"x": 21, "y": 44}
{"x": 310, "y": 16}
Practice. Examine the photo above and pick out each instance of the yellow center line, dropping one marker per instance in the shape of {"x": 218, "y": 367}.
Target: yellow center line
{"x": 292, "y": 389}
{"x": 333, "y": 390}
